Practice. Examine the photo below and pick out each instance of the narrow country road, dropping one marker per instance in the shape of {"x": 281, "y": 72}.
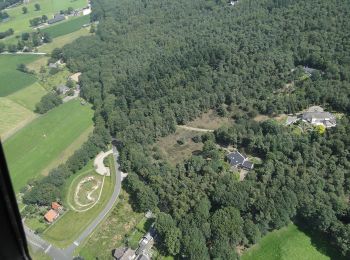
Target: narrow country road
{"x": 195, "y": 128}
{"x": 67, "y": 253}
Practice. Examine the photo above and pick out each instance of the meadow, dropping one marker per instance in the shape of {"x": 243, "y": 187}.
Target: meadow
{"x": 35, "y": 146}
{"x": 12, "y": 116}
{"x": 289, "y": 243}
{"x": 12, "y": 79}
{"x": 63, "y": 40}
{"x": 110, "y": 234}
{"x": 66, "y": 229}
{"x": 19, "y": 22}
{"x": 67, "y": 27}
{"x": 29, "y": 96}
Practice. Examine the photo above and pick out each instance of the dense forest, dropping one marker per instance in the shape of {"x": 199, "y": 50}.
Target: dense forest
{"x": 156, "y": 63}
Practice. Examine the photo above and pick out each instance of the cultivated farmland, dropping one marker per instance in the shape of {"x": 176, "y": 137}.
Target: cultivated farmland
{"x": 35, "y": 146}
{"x": 13, "y": 80}
{"x": 63, "y": 40}
{"x": 67, "y": 27}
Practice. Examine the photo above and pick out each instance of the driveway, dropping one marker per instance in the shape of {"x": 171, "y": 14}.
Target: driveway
{"x": 67, "y": 253}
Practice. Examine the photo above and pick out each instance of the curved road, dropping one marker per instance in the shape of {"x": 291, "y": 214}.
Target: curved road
{"x": 67, "y": 253}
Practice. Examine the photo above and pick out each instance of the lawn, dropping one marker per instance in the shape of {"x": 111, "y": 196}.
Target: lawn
{"x": 19, "y": 22}
{"x": 37, "y": 254}
{"x": 67, "y": 27}
{"x": 69, "y": 227}
{"x": 35, "y": 146}
{"x": 13, "y": 80}
{"x": 111, "y": 233}
{"x": 288, "y": 243}
{"x": 63, "y": 40}
{"x": 29, "y": 96}
{"x": 12, "y": 116}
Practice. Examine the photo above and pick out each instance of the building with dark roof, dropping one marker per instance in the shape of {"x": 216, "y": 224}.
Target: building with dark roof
{"x": 238, "y": 160}
{"x": 57, "y": 18}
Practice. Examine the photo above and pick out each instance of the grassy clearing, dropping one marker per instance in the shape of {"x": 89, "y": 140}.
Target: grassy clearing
{"x": 111, "y": 233}
{"x": 34, "y": 147}
{"x": 12, "y": 116}
{"x": 19, "y": 22}
{"x": 29, "y": 96}
{"x": 63, "y": 40}
{"x": 69, "y": 226}
{"x": 287, "y": 243}
{"x": 210, "y": 120}
{"x": 174, "y": 152}
{"x": 37, "y": 64}
{"x": 67, "y": 27}
{"x": 66, "y": 153}
{"x": 13, "y": 80}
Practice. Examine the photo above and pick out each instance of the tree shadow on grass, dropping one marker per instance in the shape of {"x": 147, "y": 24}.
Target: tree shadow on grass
{"x": 321, "y": 242}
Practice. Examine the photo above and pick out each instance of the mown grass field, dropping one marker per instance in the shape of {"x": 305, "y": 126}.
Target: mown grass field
{"x": 35, "y": 146}
{"x": 12, "y": 115}
{"x": 67, "y": 27}
{"x": 19, "y": 22}
{"x": 110, "y": 233}
{"x": 288, "y": 243}
{"x": 29, "y": 96}
{"x": 69, "y": 227}
{"x": 63, "y": 40}
{"x": 13, "y": 80}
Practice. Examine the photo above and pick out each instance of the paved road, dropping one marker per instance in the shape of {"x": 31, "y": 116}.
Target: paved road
{"x": 67, "y": 253}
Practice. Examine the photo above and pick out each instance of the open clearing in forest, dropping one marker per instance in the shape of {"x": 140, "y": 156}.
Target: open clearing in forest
{"x": 34, "y": 147}
{"x": 19, "y": 22}
{"x": 210, "y": 120}
{"x": 12, "y": 79}
{"x": 67, "y": 27}
{"x": 287, "y": 243}
{"x": 170, "y": 148}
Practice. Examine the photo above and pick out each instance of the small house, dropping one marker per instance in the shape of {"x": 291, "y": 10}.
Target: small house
{"x": 62, "y": 89}
{"x": 57, "y": 18}
{"x": 51, "y": 215}
{"x": 238, "y": 160}
{"x": 56, "y": 206}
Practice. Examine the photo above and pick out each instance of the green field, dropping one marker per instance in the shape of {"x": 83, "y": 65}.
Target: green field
{"x": 69, "y": 227}
{"x": 19, "y": 22}
{"x": 29, "y": 96}
{"x": 13, "y": 80}
{"x": 12, "y": 116}
{"x": 63, "y": 40}
{"x": 35, "y": 146}
{"x": 67, "y": 27}
{"x": 289, "y": 243}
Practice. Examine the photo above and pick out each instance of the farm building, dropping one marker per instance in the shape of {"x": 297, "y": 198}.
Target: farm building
{"x": 56, "y": 206}
{"x": 238, "y": 160}
{"x": 51, "y": 215}
{"x": 57, "y": 18}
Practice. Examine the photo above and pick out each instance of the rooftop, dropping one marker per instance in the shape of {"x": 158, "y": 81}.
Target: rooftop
{"x": 51, "y": 215}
